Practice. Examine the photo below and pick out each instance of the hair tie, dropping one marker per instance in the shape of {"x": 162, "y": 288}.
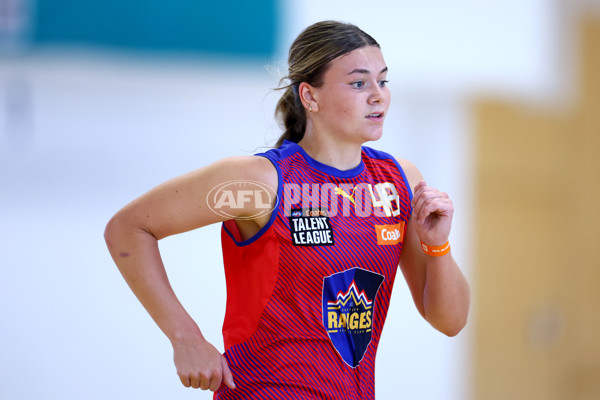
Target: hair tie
{"x": 295, "y": 90}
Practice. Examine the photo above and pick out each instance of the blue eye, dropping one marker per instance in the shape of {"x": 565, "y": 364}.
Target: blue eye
{"x": 358, "y": 84}
{"x": 383, "y": 83}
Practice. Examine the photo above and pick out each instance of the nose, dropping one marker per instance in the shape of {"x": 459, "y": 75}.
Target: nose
{"x": 376, "y": 95}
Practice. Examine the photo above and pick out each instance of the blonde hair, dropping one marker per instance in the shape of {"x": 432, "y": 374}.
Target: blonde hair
{"x": 309, "y": 57}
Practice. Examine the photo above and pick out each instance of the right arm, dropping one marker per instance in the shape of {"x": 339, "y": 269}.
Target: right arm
{"x": 177, "y": 206}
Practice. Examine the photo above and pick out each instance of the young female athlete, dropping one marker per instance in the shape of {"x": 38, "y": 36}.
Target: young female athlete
{"x": 309, "y": 271}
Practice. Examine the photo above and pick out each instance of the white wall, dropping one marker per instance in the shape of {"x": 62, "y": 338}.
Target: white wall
{"x": 94, "y": 133}
{"x": 82, "y": 134}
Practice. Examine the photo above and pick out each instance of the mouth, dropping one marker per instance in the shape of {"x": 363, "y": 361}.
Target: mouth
{"x": 375, "y": 116}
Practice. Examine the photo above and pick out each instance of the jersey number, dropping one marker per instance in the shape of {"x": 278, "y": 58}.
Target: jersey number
{"x": 383, "y": 196}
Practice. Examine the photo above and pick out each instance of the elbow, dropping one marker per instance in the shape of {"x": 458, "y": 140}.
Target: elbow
{"x": 456, "y": 317}
{"x": 457, "y": 324}
{"x": 110, "y": 232}
{"x": 452, "y": 330}
{"x": 123, "y": 233}
{"x": 117, "y": 229}
{"x": 450, "y": 325}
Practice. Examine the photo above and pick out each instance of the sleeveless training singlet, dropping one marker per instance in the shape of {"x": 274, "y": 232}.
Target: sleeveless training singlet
{"x": 307, "y": 296}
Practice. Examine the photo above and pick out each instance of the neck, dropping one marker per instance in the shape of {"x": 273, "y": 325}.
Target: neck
{"x": 326, "y": 150}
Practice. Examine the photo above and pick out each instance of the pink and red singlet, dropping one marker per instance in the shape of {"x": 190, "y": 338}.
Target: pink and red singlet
{"x": 307, "y": 296}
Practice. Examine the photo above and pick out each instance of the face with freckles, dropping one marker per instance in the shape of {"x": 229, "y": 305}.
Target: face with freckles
{"x": 352, "y": 100}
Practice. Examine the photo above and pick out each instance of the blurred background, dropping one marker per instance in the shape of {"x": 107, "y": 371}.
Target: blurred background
{"x": 497, "y": 103}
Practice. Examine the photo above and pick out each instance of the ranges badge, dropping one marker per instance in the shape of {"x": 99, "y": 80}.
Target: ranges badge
{"x": 348, "y": 309}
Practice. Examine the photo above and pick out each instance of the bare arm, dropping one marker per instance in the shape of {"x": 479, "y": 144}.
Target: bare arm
{"x": 437, "y": 285}
{"x": 176, "y": 206}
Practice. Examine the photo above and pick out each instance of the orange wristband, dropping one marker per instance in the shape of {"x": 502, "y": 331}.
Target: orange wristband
{"x": 436, "y": 251}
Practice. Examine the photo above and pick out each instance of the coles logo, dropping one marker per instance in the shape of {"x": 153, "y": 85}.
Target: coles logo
{"x": 349, "y": 311}
{"x": 390, "y": 234}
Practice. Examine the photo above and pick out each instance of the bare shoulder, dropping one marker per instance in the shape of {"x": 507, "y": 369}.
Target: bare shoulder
{"x": 411, "y": 171}
{"x": 252, "y": 168}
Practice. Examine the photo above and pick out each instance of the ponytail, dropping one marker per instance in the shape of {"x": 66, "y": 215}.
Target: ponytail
{"x": 290, "y": 113}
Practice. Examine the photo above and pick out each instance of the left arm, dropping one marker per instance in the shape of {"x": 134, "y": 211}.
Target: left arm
{"x": 438, "y": 287}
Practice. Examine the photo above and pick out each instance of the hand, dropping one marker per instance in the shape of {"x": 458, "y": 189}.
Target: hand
{"x": 432, "y": 214}
{"x": 200, "y": 365}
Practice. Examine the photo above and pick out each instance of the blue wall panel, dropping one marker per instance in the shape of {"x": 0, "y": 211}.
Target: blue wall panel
{"x": 241, "y": 27}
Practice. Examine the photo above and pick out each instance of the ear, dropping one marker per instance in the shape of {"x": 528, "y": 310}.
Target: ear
{"x": 307, "y": 95}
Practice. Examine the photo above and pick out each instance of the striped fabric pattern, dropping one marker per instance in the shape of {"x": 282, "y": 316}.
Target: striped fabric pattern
{"x": 288, "y": 352}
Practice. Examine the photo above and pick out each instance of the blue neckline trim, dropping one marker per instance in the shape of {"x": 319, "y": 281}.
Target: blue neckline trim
{"x": 328, "y": 169}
